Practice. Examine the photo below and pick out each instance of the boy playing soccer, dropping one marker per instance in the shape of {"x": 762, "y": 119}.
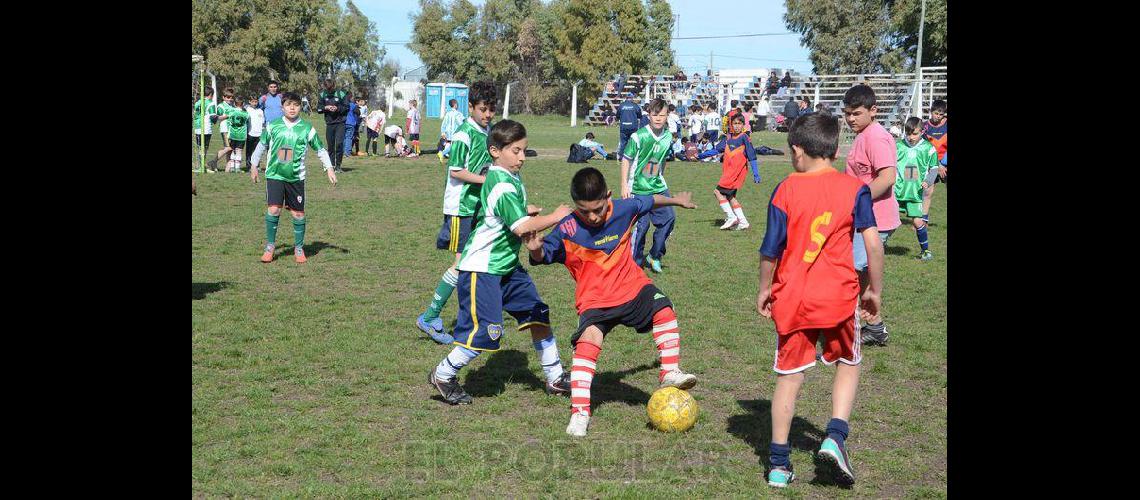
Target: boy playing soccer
{"x": 237, "y": 120}
{"x": 467, "y": 163}
{"x": 594, "y": 245}
{"x": 917, "y": 169}
{"x": 491, "y": 278}
{"x": 288, "y": 139}
{"x": 809, "y": 288}
{"x": 737, "y": 151}
{"x": 643, "y": 173}
{"x": 872, "y": 159}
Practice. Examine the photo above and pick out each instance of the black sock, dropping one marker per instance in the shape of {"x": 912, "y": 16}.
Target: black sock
{"x": 778, "y": 454}
{"x": 837, "y": 429}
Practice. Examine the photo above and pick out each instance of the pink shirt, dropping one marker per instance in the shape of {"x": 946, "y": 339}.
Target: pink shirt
{"x": 873, "y": 150}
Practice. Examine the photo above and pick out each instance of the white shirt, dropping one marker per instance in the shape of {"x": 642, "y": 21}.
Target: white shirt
{"x": 256, "y": 121}
{"x": 375, "y": 120}
{"x": 673, "y": 121}
{"x": 712, "y": 120}
{"x": 392, "y": 131}
{"x": 763, "y": 108}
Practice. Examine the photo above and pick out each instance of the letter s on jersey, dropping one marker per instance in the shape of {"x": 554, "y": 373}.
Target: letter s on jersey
{"x": 817, "y": 237}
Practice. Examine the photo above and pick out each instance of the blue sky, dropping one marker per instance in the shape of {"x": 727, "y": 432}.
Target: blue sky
{"x": 697, "y": 18}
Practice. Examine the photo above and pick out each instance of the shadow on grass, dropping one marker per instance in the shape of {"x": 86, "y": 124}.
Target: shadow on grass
{"x": 201, "y": 290}
{"x": 890, "y": 250}
{"x": 755, "y": 428}
{"x": 607, "y": 387}
{"x": 501, "y": 367}
{"x": 311, "y": 249}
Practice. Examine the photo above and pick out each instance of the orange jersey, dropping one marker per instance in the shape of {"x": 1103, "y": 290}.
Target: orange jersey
{"x": 738, "y": 155}
{"x": 811, "y": 221}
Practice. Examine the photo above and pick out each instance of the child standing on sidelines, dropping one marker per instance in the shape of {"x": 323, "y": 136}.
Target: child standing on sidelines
{"x": 738, "y": 151}
{"x": 594, "y": 245}
{"x": 287, "y": 140}
{"x": 643, "y": 173}
{"x": 712, "y": 122}
{"x": 809, "y": 288}
{"x": 696, "y": 123}
{"x": 414, "y": 126}
{"x": 467, "y": 166}
{"x": 872, "y": 159}
{"x": 491, "y": 278}
{"x": 374, "y": 123}
{"x": 917, "y": 169}
{"x": 447, "y": 128}
{"x": 256, "y": 126}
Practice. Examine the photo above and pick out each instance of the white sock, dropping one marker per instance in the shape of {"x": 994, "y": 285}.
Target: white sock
{"x": 727, "y": 210}
{"x": 547, "y": 351}
{"x": 740, "y": 213}
{"x": 454, "y": 361}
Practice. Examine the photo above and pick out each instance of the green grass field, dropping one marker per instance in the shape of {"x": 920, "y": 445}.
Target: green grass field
{"x": 310, "y": 380}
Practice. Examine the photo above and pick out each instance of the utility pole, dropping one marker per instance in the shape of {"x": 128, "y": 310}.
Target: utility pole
{"x": 917, "y": 109}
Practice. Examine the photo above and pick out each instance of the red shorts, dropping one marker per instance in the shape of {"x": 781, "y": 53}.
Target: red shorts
{"x": 795, "y": 352}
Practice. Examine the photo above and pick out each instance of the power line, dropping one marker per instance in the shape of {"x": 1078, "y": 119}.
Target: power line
{"x": 741, "y": 57}
{"x": 733, "y": 36}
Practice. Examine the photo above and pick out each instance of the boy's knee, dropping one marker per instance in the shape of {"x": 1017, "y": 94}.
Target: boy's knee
{"x": 297, "y": 215}
{"x": 918, "y": 223}
{"x": 274, "y": 210}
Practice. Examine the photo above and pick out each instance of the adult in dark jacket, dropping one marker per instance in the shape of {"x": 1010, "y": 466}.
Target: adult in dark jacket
{"x": 333, "y": 103}
{"x": 629, "y": 120}
{"x": 791, "y": 111}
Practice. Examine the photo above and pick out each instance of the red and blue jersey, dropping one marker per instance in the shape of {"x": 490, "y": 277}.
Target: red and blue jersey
{"x": 600, "y": 259}
{"x": 738, "y": 152}
{"x": 811, "y": 221}
{"x": 936, "y": 136}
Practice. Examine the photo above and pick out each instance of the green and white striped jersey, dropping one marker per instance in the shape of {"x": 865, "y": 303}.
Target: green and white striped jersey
{"x": 914, "y": 164}
{"x": 208, "y": 107}
{"x": 468, "y": 151}
{"x": 287, "y": 144}
{"x": 492, "y": 248}
{"x": 646, "y": 154}
{"x": 237, "y": 118}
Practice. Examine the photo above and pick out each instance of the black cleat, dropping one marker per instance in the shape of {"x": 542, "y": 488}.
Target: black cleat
{"x": 869, "y": 338}
{"x": 449, "y": 389}
{"x": 560, "y": 386}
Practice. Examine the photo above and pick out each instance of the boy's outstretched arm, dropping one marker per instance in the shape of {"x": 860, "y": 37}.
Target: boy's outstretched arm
{"x": 541, "y": 222}
{"x": 682, "y": 199}
{"x": 872, "y": 299}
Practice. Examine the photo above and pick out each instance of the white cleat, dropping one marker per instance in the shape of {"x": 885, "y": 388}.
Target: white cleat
{"x": 742, "y": 226}
{"x": 679, "y": 379}
{"x": 578, "y": 423}
{"x": 728, "y": 223}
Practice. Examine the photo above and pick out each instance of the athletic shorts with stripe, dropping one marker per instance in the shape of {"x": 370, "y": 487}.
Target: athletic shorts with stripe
{"x": 637, "y": 313}
{"x": 482, "y": 299}
{"x": 795, "y": 352}
{"x": 454, "y": 232}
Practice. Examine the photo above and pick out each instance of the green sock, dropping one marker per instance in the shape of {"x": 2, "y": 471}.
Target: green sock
{"x": 298, "y": 232}
{"x": 442, "y": 293}
{"x": 271, "y": 228}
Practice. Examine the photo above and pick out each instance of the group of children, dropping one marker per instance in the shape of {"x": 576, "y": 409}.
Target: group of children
{"x": 821, "y": 257}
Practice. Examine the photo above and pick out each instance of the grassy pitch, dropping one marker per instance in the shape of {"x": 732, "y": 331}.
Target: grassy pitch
{"x": 310, "y": 380}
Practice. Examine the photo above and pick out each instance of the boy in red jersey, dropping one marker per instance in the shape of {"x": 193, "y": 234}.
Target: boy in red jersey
{"x": 738, "y": 152}
{"x": 809, "y": 287}
{"x": 594, "y": 243}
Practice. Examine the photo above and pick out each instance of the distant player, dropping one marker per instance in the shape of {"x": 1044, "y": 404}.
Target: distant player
{"x": 934, "y": 131}
{"x": 205, "y": 114}
{"x": 809, "y": 287}
{"x": 738, "y": 152}
{"x": 413, "y": 126}
{"x": 287, "y": 140}
{"x": 491, "y": 278}
{"x": 594, "y": 245}
{"x": 237, "y": 119}
{"x": 643, "y": 173}
{"x": 447, "y": 128}
{"x": 917, "y": 170}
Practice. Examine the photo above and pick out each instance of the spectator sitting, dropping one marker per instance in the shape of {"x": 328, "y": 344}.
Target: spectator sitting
{"x": 594, "y": 146}
{"x": 608, "y": 116}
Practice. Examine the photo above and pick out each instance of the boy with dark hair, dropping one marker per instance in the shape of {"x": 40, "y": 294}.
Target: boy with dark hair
{"x": 595, "y": 147}
{"x": 256, "y": 126}
{"x": 809, "y": 288}
{"x": 287, "y": 140}
{"x": 237, "y": 118}
{"x": 643, "y": 173}
{"x": 917, "y": 170}
{"x": 934, "y": 130}
{"x": 491, "y": 278}
{"x": 872, "y": 159}
{"x": 738, "y": 152}
{"x": 333, "y": 103}
{"x": 594, "y": 245}
{"x": 629, "y": 120}
{"x": 447, "y": 128}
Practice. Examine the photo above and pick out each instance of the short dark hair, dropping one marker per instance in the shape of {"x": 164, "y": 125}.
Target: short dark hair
{"x": 588, "y": 184}
{"x": 274, "y": 82}
{"x": 655, "y": 106}
{"x": 290, "y": 96}
{"x": 912, "y": 125}
{"x": 228, "y": 92}
{"x": 209, "y": 91}
{"x": 506, "y": 132}
{"x": 736, "y": 117}
{"x": 748, "y": 106}
{"x": 483, "y": 92}
{"x": 589, "y": 135}
{"x": 938, "y": 105}
{"x": 817, "y": 134}
{"x": 672, "y": 108}
{"x": 453, "y": 103}
{"x": 735, "y": 103}
{"x": 859, "y": 95}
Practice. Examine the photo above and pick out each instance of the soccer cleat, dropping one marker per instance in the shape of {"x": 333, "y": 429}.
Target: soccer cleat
{"x": 833, "y": 453}
{"x": 441, "y": 160}
{"x": 560, "y": 386}
{"x": 299, "y": 255}
{"x": 742, "y": 226}
{"x": 578, "y": 423}
{"x": 728, "y": 223}
{"x": 869, "y": 338}
{"x": 449, "y": 389}
{"x": 434, "y": 329}
{"x": 678, "y": 379}
{"x": 925, "y": 255}
{"x": 268, "y": 255}
{"x": 780, "y": 477}
{"x": 654, "y": 264}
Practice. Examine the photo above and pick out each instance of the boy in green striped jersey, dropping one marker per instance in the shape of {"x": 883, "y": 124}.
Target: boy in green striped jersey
{"x": 491, "y": 278}
{"x": 643, "y": 173}
{"x": 288, "y": 139}
{"x": 237, "y": 120}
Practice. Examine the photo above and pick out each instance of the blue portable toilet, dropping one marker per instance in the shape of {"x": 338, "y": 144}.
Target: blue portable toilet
{"x": 457, "y": 91}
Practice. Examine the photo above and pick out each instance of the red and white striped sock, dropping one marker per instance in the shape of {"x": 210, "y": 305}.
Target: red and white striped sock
{"x": 582, "y": 375}
{"x": 667, "y": 336}
{"x": 739, "y": 211}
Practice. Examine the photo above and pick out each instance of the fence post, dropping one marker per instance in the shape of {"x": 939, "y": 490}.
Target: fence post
{"x": 507, "y": 103}
{"x": 574, "y": 105}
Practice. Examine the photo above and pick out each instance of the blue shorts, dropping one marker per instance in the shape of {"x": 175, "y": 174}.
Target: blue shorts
{"x": 860, "y": 250}
{"x": 483, "y": 298}
{"x": 453, "y": 235}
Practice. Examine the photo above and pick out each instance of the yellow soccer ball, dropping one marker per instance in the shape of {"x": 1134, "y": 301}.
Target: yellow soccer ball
{"x": 672, "y": 410}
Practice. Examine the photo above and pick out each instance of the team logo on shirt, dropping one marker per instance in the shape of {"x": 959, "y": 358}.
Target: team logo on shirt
{"x": 569, "y": 227}
{"x": 494, "y": 331}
